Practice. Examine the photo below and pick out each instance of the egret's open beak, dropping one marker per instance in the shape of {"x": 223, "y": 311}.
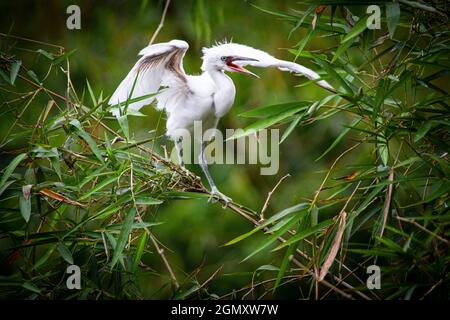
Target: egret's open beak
{"x": 238, "y": 68}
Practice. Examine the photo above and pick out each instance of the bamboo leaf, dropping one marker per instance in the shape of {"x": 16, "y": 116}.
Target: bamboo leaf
{"x": 423, "y": 130}
{"x": 339, "y": 138}
{"x": 139, "y": 250}
{"x": 264, "y": 123}
{"x": 31, "y": 286}
{"x": 98, "y": 187}
{"x": 275, "y": 236}
{"x": 305, "y": 233}
{"x": 86, "y": 137}
{"x": 25, "y": 202}
{"x": 272, "y": 110}
{"x": 15, "y": 68}
{"x": 147, "y": 200}
{"x": 123, "y": 236}
{"x": 11, "y": 167}
{"x": 65, "y": 253}
{"x": 275, "y": 217}
{"x": 393, "y": 17}
{"x": 357, "y": 29}
{"x": 334, "y": 247}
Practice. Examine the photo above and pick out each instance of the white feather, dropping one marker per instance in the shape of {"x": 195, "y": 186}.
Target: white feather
{"x": 148, "y": 80}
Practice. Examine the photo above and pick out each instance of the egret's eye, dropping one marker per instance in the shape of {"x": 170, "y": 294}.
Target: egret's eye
{"x": 223, "y": 58}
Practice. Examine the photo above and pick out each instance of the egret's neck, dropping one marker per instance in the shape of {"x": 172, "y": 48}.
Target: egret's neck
{"x": 219, "y": 77}
{"x": 225, "y": 91}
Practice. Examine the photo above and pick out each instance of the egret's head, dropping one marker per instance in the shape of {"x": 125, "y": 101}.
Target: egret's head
{"x": 229, "y": 57}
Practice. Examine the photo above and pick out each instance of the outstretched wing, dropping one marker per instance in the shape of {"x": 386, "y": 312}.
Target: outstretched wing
{"x": 160, "y": 65}
{"x": 265, "y": 60}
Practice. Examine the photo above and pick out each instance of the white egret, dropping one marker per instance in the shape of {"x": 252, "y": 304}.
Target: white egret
{"x": 187, "y": 98}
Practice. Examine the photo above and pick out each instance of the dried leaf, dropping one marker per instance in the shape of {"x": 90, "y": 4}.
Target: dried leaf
{"x": 334, "y": 248}
{"x": 57, "y": 196}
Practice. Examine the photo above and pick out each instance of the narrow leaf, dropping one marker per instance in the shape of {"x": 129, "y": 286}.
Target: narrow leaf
{"x": 11, "y": 167}
{"x": 334, "y": 247}
{"x": 123, "y": 236}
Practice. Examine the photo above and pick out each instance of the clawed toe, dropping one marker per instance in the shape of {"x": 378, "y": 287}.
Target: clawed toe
{"x": 216, "y": 195}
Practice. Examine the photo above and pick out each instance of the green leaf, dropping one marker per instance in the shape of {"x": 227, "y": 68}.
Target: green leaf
{"x": 267, "y": 267}
{"x": 15, "y": 67}
{"x": 31, "y": 286}
{"x": 123, "y": 122}
{"x": 5, "y": 76}
{"x": 342, "y": 48}
{"x": 271, "y": 110}
{"x": 5, "y": 186}
{"x": 264, "y": 123}
{"x": 393, "y": 17}
{"x": 305, "y": 233}
{"x": 123, "y": 236}
{"x": 137, "y": 99}
{"x": 139, "y": 250}
{"x": 286, "y": 260}
{"x": 274, "y": 236}
{"x": 357, "y": 29}
{"x": 275, "y": 217}
{"x": 63, "y": 57}
{"x": 33, "y": 76}
{"x": 302, "y": 19}
{"x": 147, "y": 200}
{"x": 383, "y": 150}
{"x": 186, "y": 195}
{"x": 380, "y": 95}
{"x": 57, "y": 166}
{"x": 303, "y": 42}
{"x": 422, "y": 131}
{"x": 11, "y": 167}
{"x": 46, "y": 54}
{"x": 86, "y": 137}
{"x": 65, "y": 253}
{"x": 332, "y": 72}
{"x": 98, "y": 187}
{"x": 25, "y": 202}
{"x": 44, "y": 257}
{"x": 91, "y": 93}
{"x": 339, "y": 138}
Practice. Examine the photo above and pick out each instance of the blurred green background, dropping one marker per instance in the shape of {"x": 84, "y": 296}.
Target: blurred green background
{"x": 106, "y": 47}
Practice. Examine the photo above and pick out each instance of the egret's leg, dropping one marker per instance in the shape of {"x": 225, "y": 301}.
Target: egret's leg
{"x": 179, "y": 147}
{"x": 204, "y": 166}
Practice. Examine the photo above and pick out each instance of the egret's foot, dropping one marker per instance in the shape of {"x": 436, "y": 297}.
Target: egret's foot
{"x": 216, "y": 195}
{"x": 185, "y": 171}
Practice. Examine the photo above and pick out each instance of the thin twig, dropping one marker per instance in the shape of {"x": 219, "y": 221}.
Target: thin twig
{"x": 159, "y": 250}
{"x": 387, "y": 205}
{"x": 269, "y": 195}
{"x": 423, "y": 229}
{"x": 431, "y": 289}
{"x": 31, "y": 40}
{"x": 161, "y": 23}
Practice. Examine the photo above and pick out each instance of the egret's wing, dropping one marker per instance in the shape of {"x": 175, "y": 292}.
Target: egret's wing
{"x": 265, "y": 60}
{"x": 160, "y": 64}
